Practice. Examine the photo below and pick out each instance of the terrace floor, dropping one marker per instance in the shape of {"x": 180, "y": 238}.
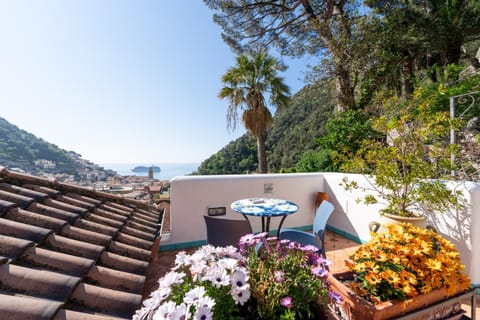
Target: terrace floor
{"x": 338, "y": 249}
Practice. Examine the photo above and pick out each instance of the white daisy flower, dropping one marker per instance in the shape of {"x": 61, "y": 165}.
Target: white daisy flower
{"x": 164, "y": 311}
{"x": 218, "y": 276}
{"x": 180, "y": 313}
{"x": 239, "y": 278}
{"x": 203, "y": 313}
{"x": 181, "y": 259}
{"x": 171, "y": 278}
{"x": 241, "y": 294}
{"x": 192, "y": 297}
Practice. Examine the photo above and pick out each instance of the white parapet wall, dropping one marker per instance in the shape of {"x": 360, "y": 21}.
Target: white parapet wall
{"x": 191, "y": 196}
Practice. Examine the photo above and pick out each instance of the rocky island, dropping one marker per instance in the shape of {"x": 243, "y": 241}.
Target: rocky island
{"x": 145, "y": 169}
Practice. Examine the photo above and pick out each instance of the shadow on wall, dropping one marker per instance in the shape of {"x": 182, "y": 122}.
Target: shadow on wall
{"x": 455, "y": 224}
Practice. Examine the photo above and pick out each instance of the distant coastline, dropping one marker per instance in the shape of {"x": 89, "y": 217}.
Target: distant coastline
{"x": 146, "y": 169}
{"x": 168, "y": 170}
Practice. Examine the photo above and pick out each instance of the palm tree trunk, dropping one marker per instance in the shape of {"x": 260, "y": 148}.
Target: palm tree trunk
{"x": 262, "y": 156}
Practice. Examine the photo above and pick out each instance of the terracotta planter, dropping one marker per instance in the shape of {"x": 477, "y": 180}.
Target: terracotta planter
{"x": 355, "y": 307}
{"x": 390, "y": 218}
{"x": 320, "y": 197}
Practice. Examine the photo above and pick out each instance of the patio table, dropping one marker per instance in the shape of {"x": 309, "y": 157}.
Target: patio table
{"x": 265, "y": 208}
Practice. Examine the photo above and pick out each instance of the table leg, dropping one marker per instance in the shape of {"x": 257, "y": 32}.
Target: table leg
{"x": 280, "y": 227}
{"x": 267, "y": 229}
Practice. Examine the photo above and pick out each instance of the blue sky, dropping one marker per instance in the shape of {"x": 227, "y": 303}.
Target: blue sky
{"x": 118, "y": 80}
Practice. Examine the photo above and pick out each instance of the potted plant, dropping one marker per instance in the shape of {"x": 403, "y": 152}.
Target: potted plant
{"x": 407, "y": 168}
{"x": 264, "y": 279}
{"x": 398, "y": 271}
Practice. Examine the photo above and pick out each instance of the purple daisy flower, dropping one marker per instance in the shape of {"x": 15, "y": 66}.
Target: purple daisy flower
{"x": 279, "y": 276}
{"x": 319, "y": 271}
{"x": 335, "y": 296}
{"x": 286, "y": 302}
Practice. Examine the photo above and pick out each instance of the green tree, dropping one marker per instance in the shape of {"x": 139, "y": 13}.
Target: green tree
{"x": 298, "y": 27}
{"x": 414, "y": 36}
{"x": 245, "y": 86}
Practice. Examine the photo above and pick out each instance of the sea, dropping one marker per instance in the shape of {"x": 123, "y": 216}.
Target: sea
{"x": 167, "y": 170}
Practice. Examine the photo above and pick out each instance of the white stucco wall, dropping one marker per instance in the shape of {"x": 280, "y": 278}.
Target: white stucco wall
{"x": 191, "y": 196}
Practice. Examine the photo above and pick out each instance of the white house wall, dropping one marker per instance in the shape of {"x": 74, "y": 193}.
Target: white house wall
{"x": 191, "y": 196}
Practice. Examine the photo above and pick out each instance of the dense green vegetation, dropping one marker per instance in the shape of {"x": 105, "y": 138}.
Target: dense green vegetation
{"x": 294, "y": 130}
{"x": 368, "y": 52}
{"x": 19, "y": 148}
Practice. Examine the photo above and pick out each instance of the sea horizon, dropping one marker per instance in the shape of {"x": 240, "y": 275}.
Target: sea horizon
{"x": 167, "y": 170}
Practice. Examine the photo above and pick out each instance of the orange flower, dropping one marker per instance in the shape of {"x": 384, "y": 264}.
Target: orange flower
{"x": 408, "y": 277}
{"x": 409, "y": 290}
{"x": 373, "y": 279}
{"x": 391, "y": 277}
{"x": 433, "y": 264}
{"x": 407, "y": 261}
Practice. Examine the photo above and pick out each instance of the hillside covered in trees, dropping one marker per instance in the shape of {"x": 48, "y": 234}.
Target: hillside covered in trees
{"x": 409, "y": 54}
{"x": 21, "y": 150}
{"x": 294, "y": 131}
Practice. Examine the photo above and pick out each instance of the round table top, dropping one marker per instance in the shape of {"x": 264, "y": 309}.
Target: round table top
{"x": 264, "y": 207}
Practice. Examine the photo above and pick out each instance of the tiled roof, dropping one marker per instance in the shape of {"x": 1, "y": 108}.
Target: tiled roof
{"x": 71, "y": 253}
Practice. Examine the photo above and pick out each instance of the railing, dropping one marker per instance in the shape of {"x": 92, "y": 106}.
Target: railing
{"x": 468, "y": 100}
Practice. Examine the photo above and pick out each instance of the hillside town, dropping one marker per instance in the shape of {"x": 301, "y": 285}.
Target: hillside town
{"x": 89, "y": 174}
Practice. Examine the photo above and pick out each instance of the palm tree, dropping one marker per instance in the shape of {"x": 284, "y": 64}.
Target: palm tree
{"x": 245, "y": 86}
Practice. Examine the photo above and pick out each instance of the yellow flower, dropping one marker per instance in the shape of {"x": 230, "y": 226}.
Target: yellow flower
{"x": 391, "y": 277}
{"x": 433, "y": 264}
{"x": 409, "y": 290}
{"x": 406, "y": 258}
{"x": 372, "y": 278}
{"x": 408, "y": 277}
{"x": 426, "y": 288}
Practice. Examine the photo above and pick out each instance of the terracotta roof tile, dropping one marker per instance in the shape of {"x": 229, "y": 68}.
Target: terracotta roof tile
{"x": 93, "y": 201}
{"x": 71, "y": 253}
{"x": 134, "y": 241}
{"x": 86, "y": 235}
{"x": 53, "y": 212}
{"x": 5, "y": 206}
{"x": 35, "y": 219}
{"x": 51, "y": 192}
{"x": 65, "y": 206}
{"x": 141, "y": 227}
{"x": 37, "y": 282}
{"x": 13, "y": 247}
{"x": 111, "y": 215}
{"x": 95, "y": 227}
{"x": 63, "y": 314}
{"x": 129, "y": 251}
{"x": 104, "y": 220}
{"x": 138, "y": 233}
{"x": 38, "y": 196}
{"x": 27, "y": 308}
{"x": 118, "y": 206}
{"x": 73, "y": 247}
{"x": 118, "y": 262}
{"x": 23, "y": 231}
{"x": 21, "y": 201}
{"x": 55, "y": 261}
{"x": 103, "y": 300}
{"x": 76, "y": 202}
{"x": 115, "y": 279}
{"x": 124, "y": 211}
